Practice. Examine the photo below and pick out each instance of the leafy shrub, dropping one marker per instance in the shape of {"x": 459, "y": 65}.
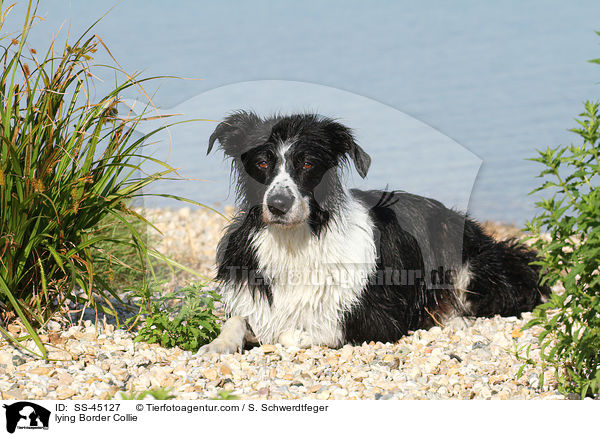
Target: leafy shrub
{"x": 67, "y": 165}
{"x": 570, "y": 322}
{"x": 183, "y": 319}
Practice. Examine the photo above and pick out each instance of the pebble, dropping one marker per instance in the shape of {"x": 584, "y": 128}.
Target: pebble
{"x": 268, "y": 348}
{"x": 64, "y": 392}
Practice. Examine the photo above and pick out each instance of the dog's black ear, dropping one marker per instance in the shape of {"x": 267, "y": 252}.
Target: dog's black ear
{"x": 232, "y": 132}
{"x": 362, "y": 161}
{"x": 342, "y": 136}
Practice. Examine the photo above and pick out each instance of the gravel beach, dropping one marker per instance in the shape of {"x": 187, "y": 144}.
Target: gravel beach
{"x": 468, "y": 358}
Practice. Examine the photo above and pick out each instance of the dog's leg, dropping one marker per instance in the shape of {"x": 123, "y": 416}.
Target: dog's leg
{"x": 295, "y": 338}
{"x": 231, "y": 339}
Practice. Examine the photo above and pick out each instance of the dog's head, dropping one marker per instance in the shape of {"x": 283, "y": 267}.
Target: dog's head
{"x": 288, "y": 165}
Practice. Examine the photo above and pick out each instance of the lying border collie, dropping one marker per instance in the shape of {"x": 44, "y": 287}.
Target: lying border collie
{"x": 308, "y": 261}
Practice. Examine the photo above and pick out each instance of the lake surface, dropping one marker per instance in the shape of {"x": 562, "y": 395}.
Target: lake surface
{"x": 449, "y": 98}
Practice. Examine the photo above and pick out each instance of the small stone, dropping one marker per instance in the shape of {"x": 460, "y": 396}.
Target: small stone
{"x": 323, "y": 395}
{"x": 75, "y": 332}
{"x": 268, "y": 348}
{"x": 14, "y": 329}
{"x": 504, "y": 394}
{"x": 65, "y": 379}
{"x": 392, "y": 361}
{"x": 6, "y": 358}
{"x": 64, "y": 392}
{"x": 53, "y": 326}
{"x": 225, "y": 370}
{"x": 89, "y": 337}
{"x": 42, "y": 370}
{"x": 55, "y": 338}
{"x": 340, "y": 393}
{"x": 346, "y": 352}
{"x": 314, "y": 388}
{"x": 117, "y": 372}
{"x": 263, "y": 392}
{"x": 485, "y": 393}
{"x": 59, "y": 355}
{"x": 210, "y": 374}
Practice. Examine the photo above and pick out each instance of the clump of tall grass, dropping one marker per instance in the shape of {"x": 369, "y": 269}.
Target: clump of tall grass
{"x": 68, "y": 166}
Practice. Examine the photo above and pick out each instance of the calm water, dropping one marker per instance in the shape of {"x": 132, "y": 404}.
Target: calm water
{"x": 448, "y": 98}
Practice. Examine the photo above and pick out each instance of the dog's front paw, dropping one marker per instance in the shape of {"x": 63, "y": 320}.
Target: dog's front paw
{"x": 295, "y": 338}
{"x": 220, "y": 346}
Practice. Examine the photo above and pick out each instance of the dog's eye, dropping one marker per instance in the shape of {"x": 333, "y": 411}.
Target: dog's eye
{"x": 307, "y": 165}
{"x": 262, "y": 164}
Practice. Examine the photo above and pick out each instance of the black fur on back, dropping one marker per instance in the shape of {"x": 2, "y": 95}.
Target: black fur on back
{"x": 418, "y": 234}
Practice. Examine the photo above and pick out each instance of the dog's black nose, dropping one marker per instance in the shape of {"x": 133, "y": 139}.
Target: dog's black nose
{"x": 279, "y": 204}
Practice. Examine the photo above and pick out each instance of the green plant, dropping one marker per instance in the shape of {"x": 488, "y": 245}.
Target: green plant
{"x": 67, "y": 165}
{"x": 183, "y": 319}
{"x": 157, "y": 394}
{"x": 570, "y": 322}
{"x": 225, "y": 395}
{"x": 116, "y": 262}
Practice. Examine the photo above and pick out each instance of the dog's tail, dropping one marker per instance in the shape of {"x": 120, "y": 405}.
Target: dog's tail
{"x": 502, "y": 279}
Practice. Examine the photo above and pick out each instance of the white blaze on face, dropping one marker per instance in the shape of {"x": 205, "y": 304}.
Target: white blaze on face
{"x": 284, "y": 184}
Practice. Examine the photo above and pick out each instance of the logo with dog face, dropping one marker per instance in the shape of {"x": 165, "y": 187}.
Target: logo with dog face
{"x": 26, "y": 415}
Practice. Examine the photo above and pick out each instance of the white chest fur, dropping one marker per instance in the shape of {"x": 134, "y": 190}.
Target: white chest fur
{"x": 313, "y": 279}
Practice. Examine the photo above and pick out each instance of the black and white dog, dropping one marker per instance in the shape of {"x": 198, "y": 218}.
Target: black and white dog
{"x": 307, "y": 261}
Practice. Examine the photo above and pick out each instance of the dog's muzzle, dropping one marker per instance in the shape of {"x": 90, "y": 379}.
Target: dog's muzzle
{"x": 279, "y": 204}
{"x": 284, "y": 207}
